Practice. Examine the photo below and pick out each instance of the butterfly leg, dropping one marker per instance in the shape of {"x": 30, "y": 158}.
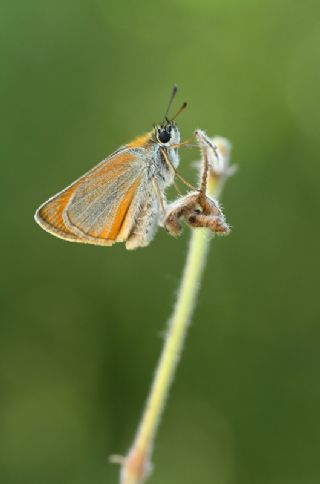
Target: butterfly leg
{"x": 174, "y": 171}
{"x": 187, "y": 143}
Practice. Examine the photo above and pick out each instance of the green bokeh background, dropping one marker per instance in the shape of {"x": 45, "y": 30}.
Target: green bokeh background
{"x": 82, "y": 326}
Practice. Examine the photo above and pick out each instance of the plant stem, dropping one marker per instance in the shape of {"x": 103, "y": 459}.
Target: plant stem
{"x": 137, "y": 465}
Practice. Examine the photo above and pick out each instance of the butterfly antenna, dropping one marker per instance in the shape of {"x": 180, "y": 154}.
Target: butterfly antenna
{"x": 173, "y": 94}
{"x": 184, "y": 105}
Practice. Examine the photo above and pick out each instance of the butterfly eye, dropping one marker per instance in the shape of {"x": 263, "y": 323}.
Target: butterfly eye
{"x": 164, "y": 136}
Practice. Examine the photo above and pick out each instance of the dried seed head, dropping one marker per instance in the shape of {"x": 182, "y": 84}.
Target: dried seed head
{"x": 198, "y": 210}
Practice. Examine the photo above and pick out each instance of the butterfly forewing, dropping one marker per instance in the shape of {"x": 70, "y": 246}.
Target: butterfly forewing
{"x": 93, "y": 209}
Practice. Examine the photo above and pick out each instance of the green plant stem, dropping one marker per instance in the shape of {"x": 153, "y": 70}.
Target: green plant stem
{"x": 137, "y": 465}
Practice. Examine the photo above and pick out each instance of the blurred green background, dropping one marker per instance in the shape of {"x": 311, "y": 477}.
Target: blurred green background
{"x": 82, "y": 326}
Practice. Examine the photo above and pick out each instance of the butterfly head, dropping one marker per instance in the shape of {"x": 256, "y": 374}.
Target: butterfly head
{"x": 168, "y": 132}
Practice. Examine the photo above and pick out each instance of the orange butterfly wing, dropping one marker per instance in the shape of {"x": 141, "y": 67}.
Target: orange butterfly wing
{"x": 93, "y": 209}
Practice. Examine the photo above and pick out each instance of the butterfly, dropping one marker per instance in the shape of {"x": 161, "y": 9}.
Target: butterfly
{"x": 121, "y": 198}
